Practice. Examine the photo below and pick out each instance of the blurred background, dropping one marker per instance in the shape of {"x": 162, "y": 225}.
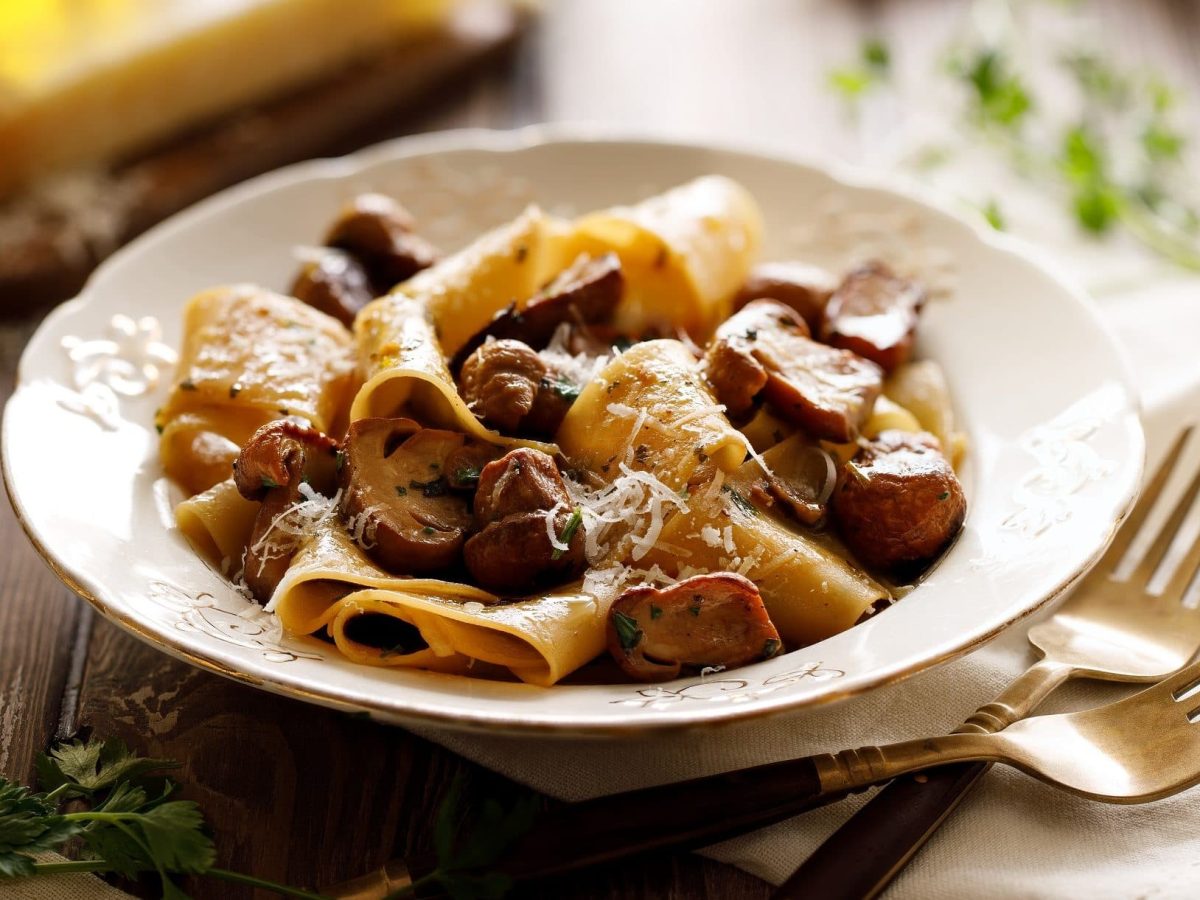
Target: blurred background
{"x": 1067, "y": 122}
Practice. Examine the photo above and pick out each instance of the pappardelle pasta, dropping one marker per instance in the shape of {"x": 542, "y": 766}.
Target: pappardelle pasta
{"x": 613, "y": 447}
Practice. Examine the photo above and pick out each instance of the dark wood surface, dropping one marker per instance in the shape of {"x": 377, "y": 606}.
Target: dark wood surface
{"x": 309, "y": 796}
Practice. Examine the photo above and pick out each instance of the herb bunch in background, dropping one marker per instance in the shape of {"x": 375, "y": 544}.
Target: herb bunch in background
{"x": 129, "y": 826}
{"x": 1105, "y": 137}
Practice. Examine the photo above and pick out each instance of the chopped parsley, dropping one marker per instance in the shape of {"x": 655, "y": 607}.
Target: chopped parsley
{"x": 568, "y": 531}
{"x": 770, "y": 648}
{"x": 655, "y": 611}
{"x": 563, "y": 388}
{"x": 339, "y": 460}
{"x": 401, "y": 491}
{"x": 944, "y": 495}
{"x": 268, "y": 482}
{"x": 629, "y": 633}
{"x": 435, "y": 487}
{"x": 694, "y": 609}
{"x": 467, "y": 476}
{"x": 428, "y": 529}
{"x": 739, "y": 500}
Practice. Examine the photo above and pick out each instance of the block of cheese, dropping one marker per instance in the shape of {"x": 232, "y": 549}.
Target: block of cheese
{"x": 92, "y": 81}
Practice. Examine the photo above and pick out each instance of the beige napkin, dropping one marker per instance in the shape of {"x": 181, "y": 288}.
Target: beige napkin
{"x": 1013, "y": 837}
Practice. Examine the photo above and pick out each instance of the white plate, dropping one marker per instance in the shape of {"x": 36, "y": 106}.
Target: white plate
{"x": 1056, "y": 447}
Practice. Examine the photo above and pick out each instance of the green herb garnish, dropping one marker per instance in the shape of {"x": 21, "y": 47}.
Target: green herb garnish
{"x": 268, "y": 483}
{"x": 655, "y": 611}
{"x": 568, "y": 531}
{"x": 770, "y": 648}
{"x": 629, "y": 633}
{"x": 740, "y": 501}
{"x": 467, "y": 476}
{"x": 129, "y": 825}
{"x": 435, "y": 487}
{"x": 401, "y": 491}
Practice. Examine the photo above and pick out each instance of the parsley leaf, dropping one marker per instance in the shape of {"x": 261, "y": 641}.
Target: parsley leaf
{"x": 94, "y": 765}
{"x": 568, "y": 531}
{"x": 629, "y": 633}
{"x": 29, "y": 823}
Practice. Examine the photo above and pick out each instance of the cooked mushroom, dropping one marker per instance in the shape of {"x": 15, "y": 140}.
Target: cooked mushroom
{"x": 707, "y": 621}
{"x": 765, "y": 350}
{"x": 803, "y": 287}
{"x": 530, "y": 535}
{"x": 395, "y": 495}
{"x": 279, "y": 458}
{"x": 802, "y": 478}
{"x": 378, "y": 231}
{"x": 335, "y": 283}
{"x": 874, "y": 313}
{"x": 585, "y": 293}
{"x": 514, "y": 390}
{"x": 898, "y": 503}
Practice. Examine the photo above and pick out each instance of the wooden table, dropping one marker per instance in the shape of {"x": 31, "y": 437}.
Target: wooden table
{"x": 307, "y": 796}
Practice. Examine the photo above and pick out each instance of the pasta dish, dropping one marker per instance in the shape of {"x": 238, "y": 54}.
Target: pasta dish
{"x": 611, "y": 447}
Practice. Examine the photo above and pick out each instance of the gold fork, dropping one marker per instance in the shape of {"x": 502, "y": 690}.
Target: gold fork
{"x": 1110, "y": 629}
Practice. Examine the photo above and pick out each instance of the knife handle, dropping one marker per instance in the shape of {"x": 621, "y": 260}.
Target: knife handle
{"x": 862, "y": 857}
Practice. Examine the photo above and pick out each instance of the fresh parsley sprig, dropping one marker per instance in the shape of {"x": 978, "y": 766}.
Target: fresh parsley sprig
{"x": 130, "y": 826}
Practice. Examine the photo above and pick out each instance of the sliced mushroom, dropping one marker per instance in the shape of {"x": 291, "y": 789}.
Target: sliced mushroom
{"x": 516, "y": 391}
{"x": 335, "y": 283}
{"x": 898, "y": 503}
{"x": 395, "y": 494}
{"x": 802, "y": 478}
{"x": 585, "y": 293}
{"x": 523, "y": 510}
{"x": 765, "y": 350}
{"x": 276, "y": 461}
{"x": 715, "y": 620}
{"x": 378, "y": 231}
{"x": 803, "y": 287}
{"x": 874, "y": 313}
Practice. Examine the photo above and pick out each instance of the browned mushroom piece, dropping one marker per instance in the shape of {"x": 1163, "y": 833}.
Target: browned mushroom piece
{"x": 378, "y": 231}
{"x": 585, "y": 293}
{"x": 281, "y": 454}
{"x": 802, "y": 479}
{"x": 335, "y": 283}
{"x": 276, "y": 461}
{"x": 765, "y": 350}
{"x": 874, "y": 313}
{"x": 514, "y": 390}
{"x": 898, "y": 503}
{"x": 716, "y": 620}
{"x": 520, "y": 502}
{"x": 803, "y": 287}
{"x": 395, "y": 495}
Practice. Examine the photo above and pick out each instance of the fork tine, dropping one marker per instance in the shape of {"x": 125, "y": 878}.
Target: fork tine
{"x": 1137, "y": 518}
{"x": 1181, "y": 579}
{"x": 1162, "y": 543}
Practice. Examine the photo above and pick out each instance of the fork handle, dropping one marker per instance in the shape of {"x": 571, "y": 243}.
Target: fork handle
{"x": 896, "y": 823}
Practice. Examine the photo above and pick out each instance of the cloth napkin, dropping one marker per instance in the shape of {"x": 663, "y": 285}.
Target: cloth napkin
{"x": 1013, "y": 837}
